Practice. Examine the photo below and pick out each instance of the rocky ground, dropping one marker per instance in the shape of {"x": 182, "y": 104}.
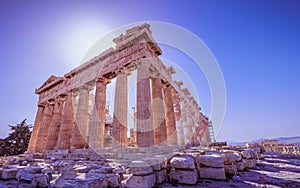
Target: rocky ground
{"x": 272, "y": 170}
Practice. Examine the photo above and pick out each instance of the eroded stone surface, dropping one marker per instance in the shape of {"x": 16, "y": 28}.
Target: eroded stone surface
{"x": 140, "y": 181}
{"x": 183, "y": 162}
{"x": 212, "y": 173}
{"x": 184, "y": 176}
{"x": 140, "y": 168}
{"x": 211, "y": 160}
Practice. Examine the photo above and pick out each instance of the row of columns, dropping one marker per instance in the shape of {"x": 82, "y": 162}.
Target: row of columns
{"x": 162, "y": 118}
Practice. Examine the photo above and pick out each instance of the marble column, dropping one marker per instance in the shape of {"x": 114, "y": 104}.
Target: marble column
{"x": 158, "y": 112}
{"x": 145, "y": 136}
{"x": 54, "y": 125}
{"x": 190, "y": 123}
{"x": 119, "y": 125}
{"x": 170, "y": 117}
{"x": 184, "y": 117}
{"x": 36, "y": 128}
{"x": 67, "y": 124}
{"x": 43, "y": 132}
{"x": 97, "y": 123}
{"x": 178, "y": 120}
{"x": 79, "y": 139}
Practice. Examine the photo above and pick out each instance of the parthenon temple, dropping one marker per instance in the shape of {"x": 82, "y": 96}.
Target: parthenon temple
{"x": 73, "y": 114}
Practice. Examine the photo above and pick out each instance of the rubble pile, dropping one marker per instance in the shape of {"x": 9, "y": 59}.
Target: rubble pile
{"x": 187, "y": 167}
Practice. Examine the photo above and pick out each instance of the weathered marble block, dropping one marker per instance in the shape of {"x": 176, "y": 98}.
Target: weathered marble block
{"x": 210, "y": 161}
{"x": 232, "y": 157}
{"x": 249, "y": 163}
{"x": 161, "y": 176}
{"x": 212, "y": 173}
{"x": 189, "y": 177}
{"x": 247, "y": 154}
{"x": 182, "y": 162}
{"x": 9, "y": 173}
{"x": 240, "y": 166}
{"x": 140, "y": 181}
{"x": 140, "y": 168}
{"x": 230, "y": 169}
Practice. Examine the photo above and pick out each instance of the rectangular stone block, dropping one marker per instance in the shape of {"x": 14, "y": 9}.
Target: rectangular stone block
{"x": 140, "y": 181}
{"x": 189, "y": 177}
{"x": 231, "y": 169}
{"x": 240, "y": 166}
{"x": 161, "y": 176}
{"x": 212, "y": 173}
{"x": 210, "y": 161}
{"x": 9, "y": 173}
{"x": 183, "y": 162}
{"x": 232, "y": 157}
{"x": 247, "y": 154}
{"x": 249, "y": 163}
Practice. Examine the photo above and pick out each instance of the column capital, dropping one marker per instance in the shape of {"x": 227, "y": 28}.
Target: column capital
{"x": 85, "y": 87}
{"x": 123, "y": 71}
{"x": 103, "y": 79}
{"x": 155, "y": 74}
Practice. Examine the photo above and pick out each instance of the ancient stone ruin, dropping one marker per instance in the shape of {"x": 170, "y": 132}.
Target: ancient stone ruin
{"x": 72, "y": 112}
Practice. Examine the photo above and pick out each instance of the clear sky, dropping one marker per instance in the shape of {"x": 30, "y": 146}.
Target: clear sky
{"x": 256, "y": 43}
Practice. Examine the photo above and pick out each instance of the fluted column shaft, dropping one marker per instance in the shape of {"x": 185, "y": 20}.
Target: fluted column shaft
{"x": 36, "y": 128}
{"x": 158, "y": 113}
{"x": 119, "y": 125}
{"x": 43, "y": 132}
{"x": 67, "y": 124}
{"x": 178, "y": 120}
{"x": 97, "y": 123}
{"x": 145, "y": 135}
{"x": 170, "y": 117}
{"x": 184, "y": 117}
{"x": 54, "y": 125}
{"x": 79, "y": 139}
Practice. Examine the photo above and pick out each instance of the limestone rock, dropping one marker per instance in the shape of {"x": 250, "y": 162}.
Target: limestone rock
{"x": 212, "y": 173}
{"x": 249, "y": 163}
{"x": 230, "y": 169}
{"x": 240, "y": 166}
{"x": 247, "y": 154}
{"x": 140, "y": 168}
{"x": 140, "y": 181}
{"x": 232, "y": 157}
{"x": 9, "y": 173}
{"x": 161, "y": 176}
{"x": 211, "y": 160}
{"x": 91, "y": 183}
{"x": 184, "y": 176}
{"x": 40, "y": 181}
{"x": 182, "y": 162}
{"x": 156, "y": 163}
{"x": 103, "y": 170}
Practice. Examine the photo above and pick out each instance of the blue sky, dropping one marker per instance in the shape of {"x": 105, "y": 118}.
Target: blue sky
{"x": 256, "y": 44}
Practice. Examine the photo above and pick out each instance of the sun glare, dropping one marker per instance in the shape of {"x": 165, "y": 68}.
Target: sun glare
{"x": 79, "y": 38}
